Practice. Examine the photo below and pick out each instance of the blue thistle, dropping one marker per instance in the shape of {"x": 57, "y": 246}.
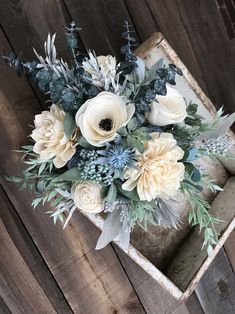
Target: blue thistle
{"x": 117, "y": 157}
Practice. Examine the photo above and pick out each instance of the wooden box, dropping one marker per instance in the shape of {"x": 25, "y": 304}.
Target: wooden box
{"x": 174, "y": 257}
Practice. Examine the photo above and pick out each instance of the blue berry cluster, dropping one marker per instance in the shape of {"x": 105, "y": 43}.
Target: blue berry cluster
{"x": 85, "y": 160}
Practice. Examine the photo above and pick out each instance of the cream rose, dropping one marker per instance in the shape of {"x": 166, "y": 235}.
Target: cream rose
{"x": 87, "y": 196}
{"x": 158, "y": 172}
{"x": 167, "y": 109}
{"x": 50, "y": 139}
{"x": 100, "y": 118}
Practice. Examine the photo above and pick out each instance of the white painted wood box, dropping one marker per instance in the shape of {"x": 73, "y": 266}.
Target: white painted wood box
{"x": 174, "y": 257}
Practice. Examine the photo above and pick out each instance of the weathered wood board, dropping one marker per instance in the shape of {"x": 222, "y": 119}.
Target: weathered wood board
{"x": 19, "y": 283}
{"x": 196, "y": 31}
{"x": 159, "y": 246}
{"x": 91, "y": 281}
{"x": 216, "y": 289}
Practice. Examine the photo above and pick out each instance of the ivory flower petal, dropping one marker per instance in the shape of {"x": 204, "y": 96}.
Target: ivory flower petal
{"x": 100, "y": 118}
{"x": 167, "y": 109}
{"x": 158, "y": 172}
{"x": 49, "y": 137}
{"x": 87, "y": 196}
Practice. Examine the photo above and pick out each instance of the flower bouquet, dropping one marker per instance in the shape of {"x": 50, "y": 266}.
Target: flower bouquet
{"x": 118, "y": 140}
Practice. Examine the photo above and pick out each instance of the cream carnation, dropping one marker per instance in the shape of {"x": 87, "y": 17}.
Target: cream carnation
{"x": 100, "y": 118}
{"x": 50, "y": 139}
{"x": 87, "y": 196}
{"x": 167, "y": 109}
{"x": 158, "y": 172}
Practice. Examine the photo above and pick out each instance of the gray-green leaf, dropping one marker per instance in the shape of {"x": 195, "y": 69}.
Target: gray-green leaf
{"x": 111, "y": 228}
{"x": 70, "y": 175}
{"x": 69, "y": 124}
{"x": 112, "y": 193}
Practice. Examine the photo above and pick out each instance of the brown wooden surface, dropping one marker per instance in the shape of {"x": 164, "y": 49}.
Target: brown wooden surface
{"x": 64, "y": 274}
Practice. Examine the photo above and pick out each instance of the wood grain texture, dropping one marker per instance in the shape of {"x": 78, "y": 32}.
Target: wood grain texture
{"x": 4, "y": 309}
{"x": 31, "y": 256}
{"x": 196, "y": 31}
{"x": 154, "y": 299}
{"x": 188, "y": 25}
{"x": 142, "y": 18}
{"x": 27, "y": 24}
{"x": 190, "y": 257}
{"x": 176, "y": 34}
{"x": 19, "y": 289}
{"x": 194, "y": 305}
{"x": 216, "y": 290}
{"x": 101, "y": 23}
{"x": 230, "y": 249}
{"x": 91, "y": 281}
{"x": 213, "y": 41}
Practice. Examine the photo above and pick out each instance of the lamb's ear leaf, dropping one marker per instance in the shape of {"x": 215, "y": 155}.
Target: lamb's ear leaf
{"x": 111, "y": 228}
{"x": 69, "y": 124}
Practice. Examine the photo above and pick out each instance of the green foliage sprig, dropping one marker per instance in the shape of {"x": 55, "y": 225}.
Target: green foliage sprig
{"x": 199, "y": 214}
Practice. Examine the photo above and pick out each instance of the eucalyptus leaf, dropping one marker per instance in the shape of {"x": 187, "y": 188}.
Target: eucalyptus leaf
{"x": 69, "y": 124}
{"x": 72, "y": 174}
{"x": 192, "y": 153}
{"x": 112, "y": 193}
{"x": 132, "y": 195}
{"x": 140, "y": 69}
{"x": 132, "y": 124}
{"x": 56, "y": 87}
{"x": 83, "y": 142}
{"x": 157, "y": 65}
{"x": 189, "y": 168}
{"x": 196, "y": 175}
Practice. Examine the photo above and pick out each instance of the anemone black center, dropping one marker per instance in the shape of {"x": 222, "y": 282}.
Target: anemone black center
{"x": 106, "y": 124}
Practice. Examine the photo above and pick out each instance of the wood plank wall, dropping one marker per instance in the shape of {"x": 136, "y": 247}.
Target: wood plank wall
{"x": 47, "y": 270}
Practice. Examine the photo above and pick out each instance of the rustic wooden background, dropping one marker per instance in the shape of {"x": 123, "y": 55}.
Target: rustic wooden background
{"x": 44, "y": 269}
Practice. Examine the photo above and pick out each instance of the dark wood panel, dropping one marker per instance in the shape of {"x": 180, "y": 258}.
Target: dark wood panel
{"x": 215, "y": 52}
{"x": 216, "y": 290}
{"x": 168, "y": 17}
{"x": 196, "y": 31}
{"x": 145, "y": 24}
{"x": 230, "y": 249}
{"x": 30, "y": 255}
{"x": 193, "y": 305}
{"x": 152, "y": 296}
{"x": 101, "y": 23}
{"x": 91, "y": 281}
{"x": 4, "y": 309}
{"x": 19, "y": 289}
{"x": 27, "y": 23}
